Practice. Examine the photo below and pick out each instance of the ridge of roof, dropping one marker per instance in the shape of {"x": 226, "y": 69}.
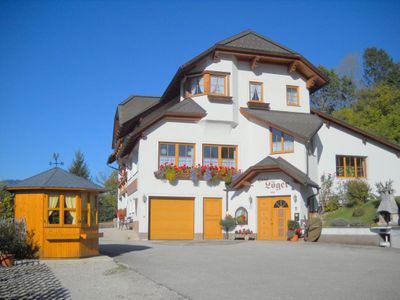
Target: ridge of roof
{"x": 357, "y": 130}
{"x": 251, "y": 32}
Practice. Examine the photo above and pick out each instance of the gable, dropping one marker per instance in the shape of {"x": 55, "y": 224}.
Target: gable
{"x": 364, "y": 135}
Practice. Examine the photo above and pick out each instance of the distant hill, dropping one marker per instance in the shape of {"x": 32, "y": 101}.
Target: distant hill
{"x": 8, "y": 182}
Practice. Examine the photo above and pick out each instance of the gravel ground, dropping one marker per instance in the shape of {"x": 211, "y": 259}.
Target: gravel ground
{"x": 30, "y": 280}
{"x": 102, "y": 278}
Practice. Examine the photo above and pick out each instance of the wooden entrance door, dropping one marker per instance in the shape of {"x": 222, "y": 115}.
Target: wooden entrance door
{"x": 212, "y": 214}
{"x": 273, "y": 215}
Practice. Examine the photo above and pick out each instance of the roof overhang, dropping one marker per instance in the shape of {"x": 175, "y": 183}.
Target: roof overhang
{"x": 133, "y": 138}
{"x": 246, "y": 178}
{"x": 268, "y": 123}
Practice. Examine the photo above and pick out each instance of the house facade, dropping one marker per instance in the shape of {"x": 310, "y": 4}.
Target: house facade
{"x": 234, "y": 133}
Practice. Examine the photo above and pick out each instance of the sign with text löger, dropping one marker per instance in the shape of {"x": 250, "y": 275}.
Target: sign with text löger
{"x": 277, "y": 186}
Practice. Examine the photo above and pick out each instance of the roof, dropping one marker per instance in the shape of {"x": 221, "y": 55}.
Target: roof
{"x": 134, "y": 105}
{"x": 175, "y": 109}
{"x": 253, "y": 44}
{"x": 55, "y": 178}
{"x": 366, "y": 135}
{"x": 249, "y": 39}
{"x": 271, "y": 164}
{"x": 301, "y": 125}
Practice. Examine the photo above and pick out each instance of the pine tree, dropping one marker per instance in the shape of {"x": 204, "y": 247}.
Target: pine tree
{"x": 78, "y": 166}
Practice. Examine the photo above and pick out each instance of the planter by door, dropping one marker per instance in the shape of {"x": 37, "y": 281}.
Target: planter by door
{"x": 7, "y": 260}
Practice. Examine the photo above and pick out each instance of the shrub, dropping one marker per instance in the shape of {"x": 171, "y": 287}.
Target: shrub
{"x": 339, "y": 223}
{"x": 358, "y": 212}
{"x": 357, "y": 192}
{"x": 358, "y": 224}
{"x": 293, "y": 225}
{"x": 14, "y": 240}
{"x": 332, "y": 204}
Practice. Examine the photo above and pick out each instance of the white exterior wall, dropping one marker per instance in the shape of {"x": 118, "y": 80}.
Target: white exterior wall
{"x": 382, "y": 164}
{"x": 224, "y": 125}
{"x": 251, "y": 149}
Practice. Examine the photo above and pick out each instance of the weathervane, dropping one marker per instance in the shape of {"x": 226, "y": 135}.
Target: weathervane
{"x": 55, "y": 156}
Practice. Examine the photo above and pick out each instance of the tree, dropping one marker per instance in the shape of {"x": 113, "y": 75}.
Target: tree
{"x": 377, "y": 110}
{"x": 78, "y": 166}
{"x": 108, "y": 200}
{"x": 6, "y": 203}
{"x": 379, "y": 68}
{"x": 338, "y": 93}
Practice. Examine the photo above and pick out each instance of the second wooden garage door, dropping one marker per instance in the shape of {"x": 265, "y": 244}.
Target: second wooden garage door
{"x": 171, "y": 219}
{"x": 211, "y": 218}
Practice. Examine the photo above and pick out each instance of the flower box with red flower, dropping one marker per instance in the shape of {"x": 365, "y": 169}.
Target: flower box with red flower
{"x": 245, "y": 234}
{"x": 211, "y": 173}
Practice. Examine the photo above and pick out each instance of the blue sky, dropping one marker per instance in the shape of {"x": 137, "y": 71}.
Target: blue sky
{"x": 65, "y": 65}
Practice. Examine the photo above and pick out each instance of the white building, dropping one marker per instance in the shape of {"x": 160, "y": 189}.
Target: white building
{"x": 243, "y": 104}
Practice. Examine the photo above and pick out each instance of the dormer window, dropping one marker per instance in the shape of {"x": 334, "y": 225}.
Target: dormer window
{"x": 281, "y": 142}
{"x": 256, "y": 91}
{"x": 292, "y": 95}
{"x": 208, "y": 83}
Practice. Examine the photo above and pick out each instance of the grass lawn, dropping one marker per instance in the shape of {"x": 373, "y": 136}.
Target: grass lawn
{"x": 346, "y": 213}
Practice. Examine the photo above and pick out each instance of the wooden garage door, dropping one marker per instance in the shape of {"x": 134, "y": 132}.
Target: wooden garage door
{"x": 212, "y": 214}
{"x": 171, "y": 219}
{"x": 273, "y": 215}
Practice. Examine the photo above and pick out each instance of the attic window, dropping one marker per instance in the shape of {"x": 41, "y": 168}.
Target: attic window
{"x": 292, "y": 94}
{"x": 256, "y": 91}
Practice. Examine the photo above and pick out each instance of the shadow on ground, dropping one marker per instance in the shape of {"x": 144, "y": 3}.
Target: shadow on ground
{"x": 113, "y": 250}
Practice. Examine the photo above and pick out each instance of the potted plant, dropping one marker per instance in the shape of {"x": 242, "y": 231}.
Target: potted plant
{"x": 293, "y": 226}
{"x": 227, "y": 224}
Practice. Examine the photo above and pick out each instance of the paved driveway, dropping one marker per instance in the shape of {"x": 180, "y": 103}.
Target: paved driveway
{"x": 263, "y": 269}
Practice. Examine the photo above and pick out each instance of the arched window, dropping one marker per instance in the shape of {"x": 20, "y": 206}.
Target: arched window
{"x": 241, "y": 216}
{"x": 280, "y": 203}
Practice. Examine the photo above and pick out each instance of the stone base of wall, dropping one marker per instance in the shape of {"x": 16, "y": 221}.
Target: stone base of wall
{"x": 351, "y": 239}
{"x": 144, "y": 235}
{"x": 198, "y": 236}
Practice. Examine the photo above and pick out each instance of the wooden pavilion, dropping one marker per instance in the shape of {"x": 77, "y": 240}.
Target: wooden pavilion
{"x": 62, "y": 211}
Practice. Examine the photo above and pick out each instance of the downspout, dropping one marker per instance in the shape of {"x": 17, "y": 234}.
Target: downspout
{"x": 307, "y": 170}
{"x": 307, "y": 154}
